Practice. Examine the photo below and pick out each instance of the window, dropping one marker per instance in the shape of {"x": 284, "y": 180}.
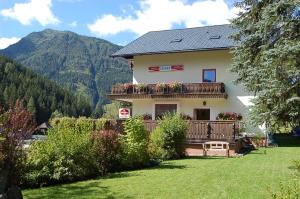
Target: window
{"x": 202, "y": 114}
{"x": 161, "y": 109}
{"x": 209, "y": 75}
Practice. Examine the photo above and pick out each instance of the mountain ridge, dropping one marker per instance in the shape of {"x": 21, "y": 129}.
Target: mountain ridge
{"x": 80, "y": 63}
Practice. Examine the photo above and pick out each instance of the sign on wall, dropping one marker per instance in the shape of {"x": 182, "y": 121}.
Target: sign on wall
{"x": 124, "y": 113}
{"x": 166, "y": 68}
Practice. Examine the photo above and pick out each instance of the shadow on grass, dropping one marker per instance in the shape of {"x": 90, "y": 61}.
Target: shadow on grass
{"x": 87, "y": 189}
{"x": 117, "y": 175}
{"x": 166, "y": 165}
{"x": 287, "y": 141}
{"x": 207, "y": 158}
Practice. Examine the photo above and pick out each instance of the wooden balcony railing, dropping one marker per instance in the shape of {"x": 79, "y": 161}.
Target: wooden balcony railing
{"x": 211, "y": 90}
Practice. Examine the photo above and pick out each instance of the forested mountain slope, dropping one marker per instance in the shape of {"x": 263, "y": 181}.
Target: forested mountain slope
{"x": 80, "y": 63}
{"x": 40, "y": 95}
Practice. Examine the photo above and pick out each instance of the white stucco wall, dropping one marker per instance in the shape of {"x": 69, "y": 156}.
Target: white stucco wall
{"x": 194, "y": 63}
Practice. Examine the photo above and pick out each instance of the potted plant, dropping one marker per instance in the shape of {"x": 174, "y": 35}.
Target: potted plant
{"x": 176, "y": 87}
{"x": 128, "y": 88}
{"x": 161, "y": 88}
{"x": 141, "y": 88}
{"x": 229, "y": 116}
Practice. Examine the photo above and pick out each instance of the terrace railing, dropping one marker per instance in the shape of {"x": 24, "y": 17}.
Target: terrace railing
{"x": 198, "y": 130}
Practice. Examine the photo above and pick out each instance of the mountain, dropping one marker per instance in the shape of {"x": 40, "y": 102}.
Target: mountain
{"x": 41, "y": 96}
{"x": 80, "y": 63}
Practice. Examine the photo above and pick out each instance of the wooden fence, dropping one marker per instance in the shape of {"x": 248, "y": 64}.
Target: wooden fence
{"x": 198, "y": 131}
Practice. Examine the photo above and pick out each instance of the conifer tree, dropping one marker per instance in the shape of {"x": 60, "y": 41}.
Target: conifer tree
{"x": 267, "y": 60}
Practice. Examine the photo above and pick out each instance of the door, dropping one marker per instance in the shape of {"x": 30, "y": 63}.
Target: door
{"x": 202, "y": 114}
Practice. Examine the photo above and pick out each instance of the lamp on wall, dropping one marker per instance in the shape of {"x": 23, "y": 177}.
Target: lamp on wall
{"x": 204, "y": 103}
{"x": 131, "y": 64}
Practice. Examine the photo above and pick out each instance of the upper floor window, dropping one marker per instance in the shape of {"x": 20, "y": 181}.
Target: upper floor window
{"x": 209, "y": 75}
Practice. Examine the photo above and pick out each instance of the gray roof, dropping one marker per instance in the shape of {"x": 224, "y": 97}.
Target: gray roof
{"x": 180, "y": 40}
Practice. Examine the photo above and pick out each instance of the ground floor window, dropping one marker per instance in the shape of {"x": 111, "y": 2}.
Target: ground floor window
{"x": 202, "y": 114}
{"x": 161, "y": 109}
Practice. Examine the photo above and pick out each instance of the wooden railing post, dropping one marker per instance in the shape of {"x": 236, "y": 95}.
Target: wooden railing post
{"x": 233, "y": 131}
{"x": 208, "y": 130}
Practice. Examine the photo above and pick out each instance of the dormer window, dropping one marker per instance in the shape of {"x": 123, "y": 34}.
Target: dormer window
{"x": 215, "y": 37}
{"x": 176, "y": 40}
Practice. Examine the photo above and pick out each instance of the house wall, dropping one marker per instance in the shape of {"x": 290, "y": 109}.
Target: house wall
{"x": 194, "y": 63}
{"x": 187, "y": 106}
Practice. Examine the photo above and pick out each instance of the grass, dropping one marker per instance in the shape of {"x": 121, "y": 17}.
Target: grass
{"x": 251, "y": 176}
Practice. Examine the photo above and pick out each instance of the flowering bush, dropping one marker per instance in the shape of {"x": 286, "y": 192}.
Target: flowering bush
{"x": 106, "y": 150}
{"x": 229, "y": 116}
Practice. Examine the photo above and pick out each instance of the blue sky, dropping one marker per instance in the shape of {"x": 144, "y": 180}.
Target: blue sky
{"x": 118, "y": 21}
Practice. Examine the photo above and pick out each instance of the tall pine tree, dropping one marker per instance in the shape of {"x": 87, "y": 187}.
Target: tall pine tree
{"x": 267, "y": 60}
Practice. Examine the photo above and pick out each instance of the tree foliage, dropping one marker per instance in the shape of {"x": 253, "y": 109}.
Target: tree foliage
{"x": 16, "y": 124}
{"x": 134, "y": 143}
{"x": 111, "y": 111}
{"x": 41, "y": 96}
{"x": 267, "y": 59}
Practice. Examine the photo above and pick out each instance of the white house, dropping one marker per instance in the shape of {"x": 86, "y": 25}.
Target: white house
{"x": 183, "y": 70}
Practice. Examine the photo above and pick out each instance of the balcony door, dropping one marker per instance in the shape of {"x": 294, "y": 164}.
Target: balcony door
{"x": 202, "y": 114}
{"x": 161, "y": 109}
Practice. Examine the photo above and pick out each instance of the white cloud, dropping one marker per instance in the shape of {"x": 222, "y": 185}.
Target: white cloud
{"x": 73, "y": 24}
{"x": 164, "y": 14}
{"x": 5, "y": 42}
{"x": 25, "y": 13}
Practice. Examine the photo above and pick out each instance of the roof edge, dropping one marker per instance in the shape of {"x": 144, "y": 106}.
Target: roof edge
{"x": 129, "y": 56}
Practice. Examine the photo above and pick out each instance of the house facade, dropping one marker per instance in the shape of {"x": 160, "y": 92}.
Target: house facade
{"x": 185, "y": 71}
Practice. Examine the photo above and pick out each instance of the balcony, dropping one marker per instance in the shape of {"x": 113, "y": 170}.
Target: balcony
{"x": 173, "y": 90}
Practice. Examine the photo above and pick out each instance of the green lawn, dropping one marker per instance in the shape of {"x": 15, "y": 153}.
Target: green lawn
{"x": 250, "y": 176}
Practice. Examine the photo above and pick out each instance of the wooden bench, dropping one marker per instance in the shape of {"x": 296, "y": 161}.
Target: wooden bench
{"x": 218, "y": 148}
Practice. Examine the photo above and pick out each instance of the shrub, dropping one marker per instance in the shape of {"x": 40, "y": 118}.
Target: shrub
{"x": 66, "y": 155}
{"x": 134, "y": 143}
{"x": 106, "y": 147}
{"x": 167, "y": 140}
{"x": 156, "y": 150}
{"x": 16, "y": 124}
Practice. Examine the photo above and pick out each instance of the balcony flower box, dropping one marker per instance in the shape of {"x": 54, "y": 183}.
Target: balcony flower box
{"x": 128, "y": 88}
{"x": 161, "y": 88}
{"x": 176, "y": 87}
{"x": 141, "y": 88}
{"x": 229, "y": 116}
